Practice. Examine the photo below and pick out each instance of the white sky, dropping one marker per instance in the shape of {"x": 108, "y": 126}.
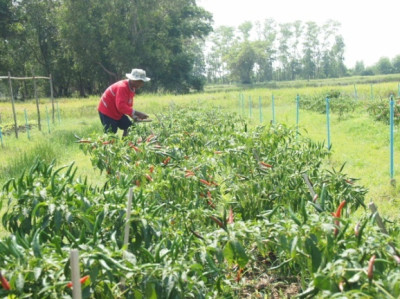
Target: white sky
{"x": 370, "y": 28}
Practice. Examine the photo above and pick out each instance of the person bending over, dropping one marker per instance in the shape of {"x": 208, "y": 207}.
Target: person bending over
{"x": 116, "y": 103}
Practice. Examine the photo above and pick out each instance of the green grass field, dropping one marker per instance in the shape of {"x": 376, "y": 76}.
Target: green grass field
{"x": 357, "y": 140}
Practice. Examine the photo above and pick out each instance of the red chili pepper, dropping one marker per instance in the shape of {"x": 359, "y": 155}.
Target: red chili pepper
{"x": 166, "y": 161}
{"x": 4, "y": 283}
{"x": 315, "y": 198}
{"x": 217, "y": 221}
{"x": 265, "y": 164}
{"x": 150, "y": 138}
{"x": 337, "y": 215}
{"x": 239, "y": 275}
{"x": 230, "y": 217}
{"x": 134, "y": 147}
{"x": 371, "y": 267}
{"x": 197, "y": 234}
{"x": 189, "y": 173}
{"x": 82, "y": 281}
{"x": 151, "y": 168}
{"x": 84, "y": 141}
{"x": 205, "y": 182}
{"x": 339, "y": 209}
{"x": 149, "y": 178}
{"x": 137, "y": 183}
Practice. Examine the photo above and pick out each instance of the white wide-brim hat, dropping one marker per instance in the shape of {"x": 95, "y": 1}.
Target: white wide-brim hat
{"x": 138, "y": 74}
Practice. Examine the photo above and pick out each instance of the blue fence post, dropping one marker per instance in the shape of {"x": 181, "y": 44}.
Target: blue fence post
{"x": 273, "y": 109}
{"x": 328, "y": 129}
{"x": 27, "y": 124}
{"x": 372, "y": 91}
{"x": 242, "y": 104}
{"x": 355, "y": 92}
{"x": 1, "y": 138}
{"x": 260, "y": 106}
{"x": 250, "y": 106}
{"x": 239, "y": 102}
{"x": 392, "y": 140}
{"x": 297, "y": 114}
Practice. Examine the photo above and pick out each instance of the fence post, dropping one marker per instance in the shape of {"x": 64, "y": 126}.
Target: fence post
{"x": 392, "y": 181}
{"x": 297, "y": 114}
{"x": 250, "y": 106}
{"x": 37, "y": 104}
{"x": 52, "y": 97}
{"x": 242, "y": 104}
{"x": 13, "y": 106}
{"x": 372, "y": 91}
{"x": 355, "y": 92}
{"x": 1, "y": 138}
{"x": 328, "y": 129}
{"x": 273, "y": 109}
{"x": 75, "y": 275}
{"x": 27, "y": 124}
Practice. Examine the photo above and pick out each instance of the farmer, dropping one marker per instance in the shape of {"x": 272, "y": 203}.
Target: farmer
{"x": 117, "y": 102}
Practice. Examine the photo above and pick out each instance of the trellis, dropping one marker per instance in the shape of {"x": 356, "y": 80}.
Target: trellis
{"x": 36, "y": 97}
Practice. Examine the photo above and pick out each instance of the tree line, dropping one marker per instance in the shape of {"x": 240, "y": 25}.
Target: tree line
{"x": 269, "y": 51}
{"x": 87, "y": 45}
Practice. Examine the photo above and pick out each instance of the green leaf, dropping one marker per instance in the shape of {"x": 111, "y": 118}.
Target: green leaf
{"x": 234, "y": 253}
{"x": 322, "y": 282}
{"x": 315, "y": 253}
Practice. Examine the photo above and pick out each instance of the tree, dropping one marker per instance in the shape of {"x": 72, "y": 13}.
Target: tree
{"x": 241, "y": 62}
{"x": 359, "y": 68}
{"x": 221, "y": 40}
{"x": 396, "y": 64}
{"x": 310, "y": 50}
{"x": 384, "y": 66}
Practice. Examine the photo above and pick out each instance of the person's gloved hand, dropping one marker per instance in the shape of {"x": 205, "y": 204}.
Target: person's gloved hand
{"x": 139, "y": 115}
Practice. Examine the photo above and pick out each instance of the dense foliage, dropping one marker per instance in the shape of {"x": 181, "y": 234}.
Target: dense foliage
{"x": 339, "y": 103}
{"x": 86, "y": 45}
{"x": 214, "y": 205}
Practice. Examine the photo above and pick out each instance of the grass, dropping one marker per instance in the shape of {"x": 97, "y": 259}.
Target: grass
{"x": 356, "y": 138}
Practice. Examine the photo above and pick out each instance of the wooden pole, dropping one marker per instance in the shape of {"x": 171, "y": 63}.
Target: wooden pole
{"x": 76, "y": 284}
{"x": 13, "y": 106}
{"x": 37, "y": 103}
{"x": 52, "y": 96}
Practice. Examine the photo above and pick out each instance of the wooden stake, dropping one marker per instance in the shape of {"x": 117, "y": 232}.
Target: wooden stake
{"x": 37, "y": 104}
{"x": 13, "y": 106}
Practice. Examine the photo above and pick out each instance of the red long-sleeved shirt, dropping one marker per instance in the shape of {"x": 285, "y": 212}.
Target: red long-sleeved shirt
{"x": 117, "y": 100}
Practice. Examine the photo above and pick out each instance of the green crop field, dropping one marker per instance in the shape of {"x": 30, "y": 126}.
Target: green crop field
{"x": 221, "y": 207}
